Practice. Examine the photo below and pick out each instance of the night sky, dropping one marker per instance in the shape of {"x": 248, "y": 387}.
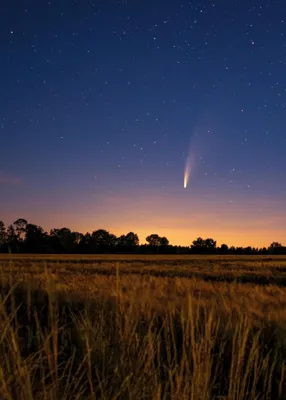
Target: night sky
{"x": 103, "y": 102}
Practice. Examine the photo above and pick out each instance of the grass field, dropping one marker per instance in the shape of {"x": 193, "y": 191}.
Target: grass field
{"x": 143, "y": 327}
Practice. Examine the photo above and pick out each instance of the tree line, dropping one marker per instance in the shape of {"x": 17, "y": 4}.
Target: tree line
{"x": 24, "y": 237}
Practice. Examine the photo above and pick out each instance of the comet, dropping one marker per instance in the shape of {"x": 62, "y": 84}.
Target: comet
{"x": 188, "y": 169}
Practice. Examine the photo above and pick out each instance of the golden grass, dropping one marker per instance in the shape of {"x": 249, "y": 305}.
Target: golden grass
{"x": 110, "y": 328}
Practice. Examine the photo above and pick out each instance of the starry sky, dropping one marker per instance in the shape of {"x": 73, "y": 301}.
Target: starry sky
{"x": 103, "y": 102}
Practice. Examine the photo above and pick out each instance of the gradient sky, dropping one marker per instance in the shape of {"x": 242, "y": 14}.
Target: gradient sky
{"x": 103, "y": 101}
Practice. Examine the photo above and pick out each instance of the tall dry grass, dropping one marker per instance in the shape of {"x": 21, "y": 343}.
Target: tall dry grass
{"x": 116, "y": 345}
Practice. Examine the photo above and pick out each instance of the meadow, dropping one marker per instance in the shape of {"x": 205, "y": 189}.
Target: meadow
{"x": 142, "y": 327}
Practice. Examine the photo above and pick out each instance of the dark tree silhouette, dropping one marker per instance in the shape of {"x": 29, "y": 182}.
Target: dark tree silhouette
{"x": 35, "y": 239}
{"x": 157, "y": 243}
{"x": 84, "y": 245}
{"x": 199, "y": 242}
{"x": 154, "y": 240}
{"x": 102, "y": 241}
{"x": 276, "y": 248}
{"x": 63, "y": 239}
{"x": 249, "y": 250}
{"x": 3, "y": 236}
{"x": 224, "y": 248}
{"x": 12, "y": 240}
{"x": 210, "y": 244}
{"x": 20, "y": 226}
{"x": 78, "y": 238}
{"x": 203, "y": 246}
{"x": 21, "y": 237}
{"x": 275, "y": 245}
{"x": 128, "y": 241}
{"x": 164, "y": 241}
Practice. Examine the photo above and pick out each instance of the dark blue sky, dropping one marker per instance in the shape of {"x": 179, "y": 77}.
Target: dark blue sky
{"x": 103, "y": 101}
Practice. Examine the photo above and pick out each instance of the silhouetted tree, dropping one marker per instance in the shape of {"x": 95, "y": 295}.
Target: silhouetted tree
{"x": 78, "y": 237}
{"x": 128, "y": 242}
{"x": 164, "y": 241}
{"x": 231, "y": 250}
{"x": 276, "y": 248}
{"x": 210, "y": 244}
{"x": 3, "y": 236}
{"x": 157, "y": 243}
{"x": 63, "y": 240}
{"x": 203, "y": 246}
{"x": 154, "y": 240}
{"x": 35, "y": 239}
{"x": 84, "y": 245}
{"x": 12, "y": 240}
{"x": 20, "y": 226}
{"x": 263, "y": 250}
{"x": 275, "y": 245}
{"x": 224, "y": 248}
{"x": 102, "y": 241}
{"x": 199, "y": 242}
{"x": 22, "y": 236}
{"x": 248, "y": 250}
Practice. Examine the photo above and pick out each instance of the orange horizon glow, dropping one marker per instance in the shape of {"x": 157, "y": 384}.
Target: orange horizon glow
{"x": 243, "y": 222}
{"x": 177, "y": 236}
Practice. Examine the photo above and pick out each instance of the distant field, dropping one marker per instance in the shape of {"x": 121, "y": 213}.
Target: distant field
{"x": 257, "y": 281}
{"x": 140, "y": 257}
{"x": 259, "y": 270}
{"x": 143, "y": 327}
